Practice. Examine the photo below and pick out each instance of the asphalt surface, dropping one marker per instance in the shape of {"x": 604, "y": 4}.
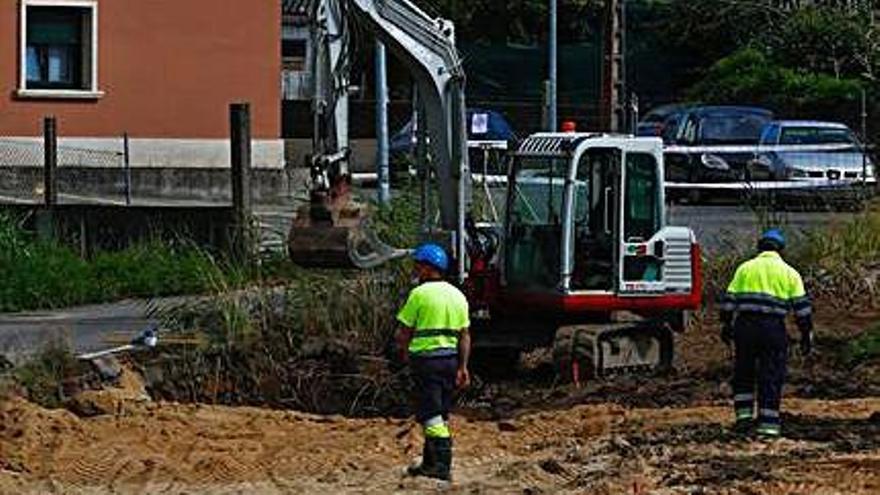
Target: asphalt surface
{"x": 718, "y": 226}
{"x": 91, "y": 328}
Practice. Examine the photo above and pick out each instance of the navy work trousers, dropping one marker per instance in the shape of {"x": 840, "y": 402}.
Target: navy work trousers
{"x": 435, "y": 383}
{"x": 761, "y": 358}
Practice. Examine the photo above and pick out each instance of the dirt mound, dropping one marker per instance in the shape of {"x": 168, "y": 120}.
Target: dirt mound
{"x": 153, "y": 448}
{"x": 128, "y": 391}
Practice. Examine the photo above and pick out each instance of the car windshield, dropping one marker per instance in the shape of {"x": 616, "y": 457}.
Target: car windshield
{"x": 732, "y": 128}
{"x": 816, "y": 135}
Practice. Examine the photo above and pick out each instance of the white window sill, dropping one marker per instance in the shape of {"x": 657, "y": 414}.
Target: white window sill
{"x": 61, "y": 94}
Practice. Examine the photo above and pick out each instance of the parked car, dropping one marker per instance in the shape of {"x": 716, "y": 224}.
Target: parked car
{"x": 714, "y": 144}
{"x": 813, "y": 150}
{"x": 655, "y": 121}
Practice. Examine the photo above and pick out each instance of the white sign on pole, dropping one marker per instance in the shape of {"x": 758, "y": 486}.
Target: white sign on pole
{"x": 480, "y": 123}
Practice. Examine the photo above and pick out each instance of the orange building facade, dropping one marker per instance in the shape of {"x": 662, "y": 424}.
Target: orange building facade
{"x": 162, "y": 71}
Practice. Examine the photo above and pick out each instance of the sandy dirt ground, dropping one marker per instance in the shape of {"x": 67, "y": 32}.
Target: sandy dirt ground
{"x": 830, "y": 447}
{"x": 657, "y": 435}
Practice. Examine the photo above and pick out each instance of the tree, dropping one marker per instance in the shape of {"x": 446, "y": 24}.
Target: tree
{"x": 516, "y": 21}
{"x": 749, "y": 76}
{"x": 823, "y": 39}
{"x": 709, "y": 30}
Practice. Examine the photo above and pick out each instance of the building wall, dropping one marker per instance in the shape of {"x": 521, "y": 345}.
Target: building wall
{"x": 168, "y": 68}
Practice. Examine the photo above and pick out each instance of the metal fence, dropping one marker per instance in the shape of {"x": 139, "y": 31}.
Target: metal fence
{"x": 104, "y": 171}
{"x": 21, "y": 171}
{"x": 83, "y": 175}
{"x": 93, "y": 177}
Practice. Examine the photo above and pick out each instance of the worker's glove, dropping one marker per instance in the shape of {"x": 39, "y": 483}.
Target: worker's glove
{"x": 806, "y": 343}
{"x": 726, "y": 334}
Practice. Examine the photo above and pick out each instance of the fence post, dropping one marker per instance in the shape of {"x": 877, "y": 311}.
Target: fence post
{"x": 45, "y": 218}
{"x": 126, "y": 163}
{"x": 240, "y": 156}
{"x": 50, "y": 161}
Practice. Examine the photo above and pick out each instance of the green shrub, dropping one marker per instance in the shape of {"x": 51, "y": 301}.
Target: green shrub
{"x": 45, "y": 376}
{"x": 865, "y": 347}
{"x": 750, "y": 76}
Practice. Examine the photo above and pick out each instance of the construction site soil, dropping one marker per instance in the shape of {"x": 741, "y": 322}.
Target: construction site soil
{"x": 525, "y": 434}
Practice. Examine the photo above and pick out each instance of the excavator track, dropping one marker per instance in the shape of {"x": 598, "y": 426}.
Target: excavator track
{"x": 604, "y": 350}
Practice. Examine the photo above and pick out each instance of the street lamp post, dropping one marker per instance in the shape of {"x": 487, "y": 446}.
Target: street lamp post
{"x": 552, "y": 76}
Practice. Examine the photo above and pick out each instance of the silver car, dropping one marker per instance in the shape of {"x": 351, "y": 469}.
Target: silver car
{"x": 813, "y": 151}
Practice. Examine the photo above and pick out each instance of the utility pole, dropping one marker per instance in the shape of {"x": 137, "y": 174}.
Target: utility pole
{"x": 552, "y": 69}
{"x": 382, "y": 144}
{"x": 614, "y": 66}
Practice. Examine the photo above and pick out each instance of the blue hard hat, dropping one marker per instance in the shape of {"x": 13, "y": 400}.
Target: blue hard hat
{"x": 774, "y": 235}
{"x": 433, "y": 255}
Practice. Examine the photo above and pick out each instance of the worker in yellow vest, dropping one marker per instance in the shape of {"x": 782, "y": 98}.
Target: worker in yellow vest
{"x": 762, "y": 293}
{"x": 434, "y": 339}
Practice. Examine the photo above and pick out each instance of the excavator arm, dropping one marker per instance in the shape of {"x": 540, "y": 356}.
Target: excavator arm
{"x": 426, "y": 47}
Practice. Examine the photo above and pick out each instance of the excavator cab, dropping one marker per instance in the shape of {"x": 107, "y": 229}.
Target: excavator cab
{"x": 586, "y": 214}
{"x": 586, "y": 244}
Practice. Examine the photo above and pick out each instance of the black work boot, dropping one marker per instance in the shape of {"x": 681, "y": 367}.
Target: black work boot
{"x": 429, "y": 461}
{"x": 444, "y": 459}
{"x": 436, "y": 461}
{"x": 744, "y": 427}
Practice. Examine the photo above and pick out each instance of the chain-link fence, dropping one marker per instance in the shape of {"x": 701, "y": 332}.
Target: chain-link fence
{"x": 92, "y": 175}
{"x": 21, "y": 170}
{"x": 84, "y": 178}
{"x": 116, "y": 170}
{"x": 82, "y": 175}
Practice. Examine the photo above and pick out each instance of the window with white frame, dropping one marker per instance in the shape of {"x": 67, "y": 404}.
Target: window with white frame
{"x": 59, "y": 48}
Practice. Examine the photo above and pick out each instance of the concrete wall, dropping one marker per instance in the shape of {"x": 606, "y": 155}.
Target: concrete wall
{"x": 168, "y": 69}
{"x": 24, "y": 184}
{"x": 146, "y": 153}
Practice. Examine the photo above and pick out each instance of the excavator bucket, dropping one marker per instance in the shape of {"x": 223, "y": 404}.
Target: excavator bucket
{"x": 320, "y": 246}
{"x": 333, "y": 231}
{"x": 323, "y": 230}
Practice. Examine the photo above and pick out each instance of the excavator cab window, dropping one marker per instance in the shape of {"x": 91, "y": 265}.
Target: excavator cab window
{"x": 534, "y": 222}
{"x": 595, "y": 233}
{"x": 641, "y": 218}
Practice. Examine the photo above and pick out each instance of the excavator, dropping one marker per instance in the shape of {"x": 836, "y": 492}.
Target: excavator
{"x": 582, "y": 260}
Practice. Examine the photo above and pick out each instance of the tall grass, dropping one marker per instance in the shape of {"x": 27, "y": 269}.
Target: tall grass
{"x": 36, "y": 273}
{"x": 316, "y": 344}
{"x": 319, "y": 341}
{"x": 840, "y": 262}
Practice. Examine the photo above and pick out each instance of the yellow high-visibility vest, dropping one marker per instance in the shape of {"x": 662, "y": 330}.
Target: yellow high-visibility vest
{"x": 767, "y": 284}
{"x": 437, "y": 312}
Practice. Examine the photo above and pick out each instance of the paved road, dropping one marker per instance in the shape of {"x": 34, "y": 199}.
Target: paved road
{"x": 88, "y": 327}
{"x": 718, "y": 226}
